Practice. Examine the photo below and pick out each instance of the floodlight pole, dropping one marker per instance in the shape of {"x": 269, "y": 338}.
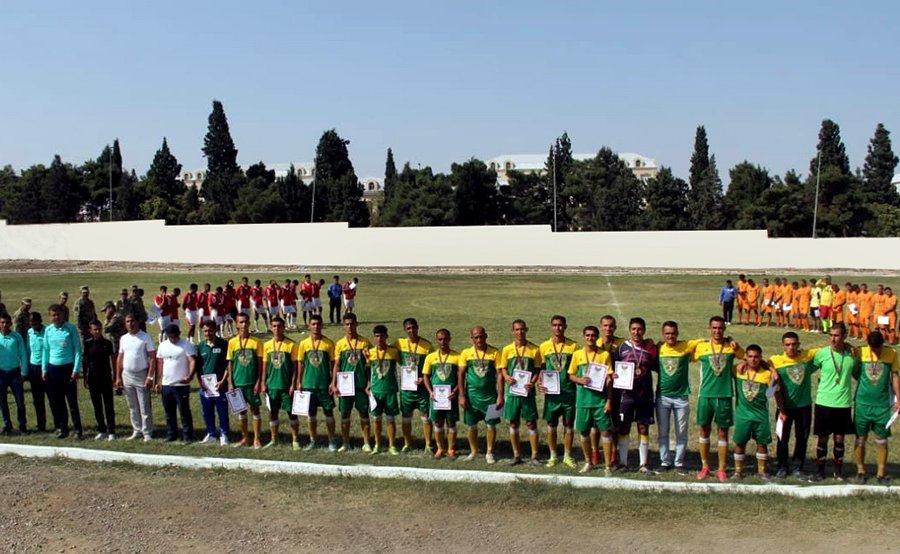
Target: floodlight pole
{"x": 816, "y": 203}
{"x": 109, "y": 164}
{"x": 312, "y": 209}
{"x": 554, "y": 187}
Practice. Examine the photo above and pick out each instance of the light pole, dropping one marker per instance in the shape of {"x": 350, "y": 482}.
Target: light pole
{"x": 312, "y": 208}
{"x": 553, "y": 149}
{"x": 110, "y": 184}
{"x": 816, "y": 203}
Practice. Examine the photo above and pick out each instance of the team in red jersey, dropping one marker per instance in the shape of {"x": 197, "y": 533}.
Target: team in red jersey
{"x": 289, "y": 303}
{"x": 190, "y": 302}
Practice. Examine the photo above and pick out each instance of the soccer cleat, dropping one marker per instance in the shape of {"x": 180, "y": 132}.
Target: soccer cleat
{"x": 257, "y": 445}
{"x": 471, "y": 457}
{"x": 798, "y": 473}
{"x": 241, "y": 443}
{"x": 781, "y": 473}
{"x": 134, "y": 435}
{"x": 607, "y": 472}
{"x": 595, "y": 458}
{"x": 646, "y": 470}
{"x": 376, "y": 450}
{"x": 451, "y": 454}
{"x": 309, "y": 447}
{"x": 517, "y": 461}
{"x": 764, "y": 476}
{"x": 569, "y": 461}
{"x": 703, "y": 474}
{"x": 585, "y": 468}
{"x": 99, "y": 436}
{"x": 681, "y": 470}
{"x": 111, "y": 437}
{"x": 439, "y": 454}
{"x": 343, "y": 448}
{"x": 405, "y": 448}
{"x": 428, "y": 450}
{"x": 737, "y": 476}
{"x": 489, "y": 458}
{"x": 393, "y": 451}
{"x": 223, "y": 440}
{"x": 332, "y": 446}
{"x": 838, "y": 477}
{"x": 295, "y": 445}
{"x": 552, "y": 461}
{"x": 884, "y": 480}
{"x": 860, "y": 479}
{"x": 818, "y": 476}
{"x": 269, "y": 444}
{"x": 721, "y": 476}
{"x": 366, "y": 448}
{"x": 208, "y": 439}
{"x": 535, "y": 462}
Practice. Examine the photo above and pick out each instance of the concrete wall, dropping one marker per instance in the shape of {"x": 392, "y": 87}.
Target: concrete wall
{"x": 335, "y": 244}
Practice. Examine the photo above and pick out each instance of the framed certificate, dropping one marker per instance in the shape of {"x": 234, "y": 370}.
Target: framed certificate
{"x": 550, "y": 381}
{"x": 520, "y": 379}
{"x": 624, "y": 378}
{"x": 597, "y": 374}
{"x": 210, "y": 382}
{"x": 883, "y": 320}
{"x": 346, "y": 383}
{"x": 409, "y": 374}
{"x": 236, "y": 401}
{"x": 442, "y": 397}
{"x": 300, "y": 404}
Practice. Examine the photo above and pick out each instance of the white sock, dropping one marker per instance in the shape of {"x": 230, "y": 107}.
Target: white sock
{"x": 623, "y": 451}
{"x": 644, "y": 450}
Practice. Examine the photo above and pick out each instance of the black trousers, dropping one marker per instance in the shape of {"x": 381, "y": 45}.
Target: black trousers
{"x": 800, "y": 419}
{"x": 102, "y": 399}
{"x": 63, "y": 390}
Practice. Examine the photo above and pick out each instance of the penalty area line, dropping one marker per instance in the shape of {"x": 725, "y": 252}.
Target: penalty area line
{"x": 442, "y": 475}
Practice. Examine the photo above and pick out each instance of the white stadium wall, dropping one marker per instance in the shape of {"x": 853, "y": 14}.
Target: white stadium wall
{"x": 337, "y": 245}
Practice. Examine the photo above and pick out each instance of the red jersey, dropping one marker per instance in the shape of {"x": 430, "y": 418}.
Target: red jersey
{"x": 243, "y": 293}
{"x": 316, "y": 290}
{"x": 272, "y": 293}
{"x": 306, "y": 289}
{"x": 349, "y": 291}
{"x": 165, "y": 304}
{"x": 229, "y": 300}
{"x": 173, "y": 301}
{"x": 289, "y": 295}
{"x": 203, "y": 299}
{"x": 216, "y": 301}
{"x": 190, "y": 301}
{"x": 256, "y": 294}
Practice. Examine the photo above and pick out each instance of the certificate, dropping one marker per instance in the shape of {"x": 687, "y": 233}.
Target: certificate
{"x": 883, "y": 320}
{"x": 209, "y": 383}
{"x": 300, "y": 404}
{"x": 550, "y": 381}
{"x": 373, "y": 404}
{"x": 787, "y": 307}
{"x": 520, "y": 379}
{"x": 891, "y": 421}
{"x": 236, "y": 401}
{"x": 853, "y": 309}
{"x": 493, "y": 412}
{"x": 779, "y": 428}
{"x": 409, "y": 374}
{"x": 442, "y": 397}
{"x": 597, "y": 374}
{"x": 624, "y": 378}
{"x": 346, "y": 384}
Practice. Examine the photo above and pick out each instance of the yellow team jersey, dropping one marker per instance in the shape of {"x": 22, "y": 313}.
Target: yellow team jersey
{"x": 526, "y": 358}
{"x": 564, "y": 351}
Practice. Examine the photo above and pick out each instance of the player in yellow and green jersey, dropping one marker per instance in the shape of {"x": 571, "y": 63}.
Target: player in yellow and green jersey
{"x": 795, "y": 368}
{"x": 609, "y": 342}
{"x": 441, "y": 368}
{"x": 593, "y": 407}
{"x": 876, "y": 377}
{"x": 314, "y": 356}
{"x": 480, "y": 386}
{"x": 751, "y": 418}
{"x": 832, "y": 411}
{"x": 383, "y": 360}
{"x": 244, "y": 363}
{"x": 672, "y": 395}
{"x": 716, "y": 357}
{"x": 413, "y": 350}
{"x": 557, "y": 354}
{"x": 350, "y": 353}
{"x": 279, "y": 374}
{"x": 524, "y": 356}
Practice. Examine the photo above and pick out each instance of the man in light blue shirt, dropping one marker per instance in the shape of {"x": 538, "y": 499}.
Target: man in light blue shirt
{"x": 13, "y": 359}
{"x": 60, "y": 366}
{"x": 34, "y": 341}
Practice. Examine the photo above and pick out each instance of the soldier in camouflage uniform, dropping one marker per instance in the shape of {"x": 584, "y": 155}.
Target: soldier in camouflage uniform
{"x": 136, "y": 307}
{"x": 22, "y": 318}
{"x": 85, "y": 312}
{"x": 113, "y": 325}
{"x": 64, "y": 306}
{"x": 122, "y": 305}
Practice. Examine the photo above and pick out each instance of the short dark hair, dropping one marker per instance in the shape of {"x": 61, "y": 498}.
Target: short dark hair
{"x": 318, "y": 317}
{"x": 790, "y": 335}
{"x": 638, "y": 320}
{"x": 716, "y": 319}
{"x": 670, "y": 323}
{"x": 558, "y": 317}
{"x": 379, "y": 330}
{"x": 755, "y": 348}
{"x": 593, "y": 328}
{"x": 277, "y": 319}
{"x": 875, "y": 339}
{"x": 5, "y": 317}
{"x": 349, "y": 316}
{"x": 410, "y": 321}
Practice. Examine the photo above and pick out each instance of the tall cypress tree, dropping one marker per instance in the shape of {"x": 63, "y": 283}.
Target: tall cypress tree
{"x": 164, "y": 176}
{"x": 705, "y": 199}
{"x": 559, "y": 160}
{"x": 832, "y": 150}
{"x": 878, "y": 171}
{"x": 223, "y": 174}
{"x": 338, "y": 194}
{"x": 700, "y": 157}
{"x": 667, "y": 202}
{"x": 390, "y": 175}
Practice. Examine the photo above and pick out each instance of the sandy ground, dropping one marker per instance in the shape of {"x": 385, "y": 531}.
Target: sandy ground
{"x": 58, "y": 506}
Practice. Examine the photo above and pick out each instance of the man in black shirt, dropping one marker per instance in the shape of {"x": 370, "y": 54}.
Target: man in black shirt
{"x": 98, "y": 362}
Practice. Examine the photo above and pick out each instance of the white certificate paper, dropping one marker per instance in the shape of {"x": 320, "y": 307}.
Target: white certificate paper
{"x": 236, "y": 401}
{"x": 300, "y": 404}
{"x": 493, "y": 412}
{"x": 442, "y": 397}
{"x": 883, "y": 320}
{"x": 209, "y": 383}
{"x": 550, "y": 381}
{"x": 346, "y": 383}
{"x": 892, "y": 420}
{"x": 373, "y": 404}
{"x": 597, "y": 374}
{"x": 779, "y": 428}
{"x": 409, "y": 374}
{"x": 624, "y": 376}
{"x": 521, "y": 378}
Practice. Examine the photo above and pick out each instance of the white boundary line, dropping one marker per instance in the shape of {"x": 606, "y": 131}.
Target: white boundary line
{"x": 615, "y": 301}
{"x": 427, "y": 474}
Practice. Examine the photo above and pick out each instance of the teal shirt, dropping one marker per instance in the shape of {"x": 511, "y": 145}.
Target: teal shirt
{"x": 62, "y": 345}
{"x": 212, "y": 357}
{"x": 13, "y": 354}
{"x": 36, "y": 346}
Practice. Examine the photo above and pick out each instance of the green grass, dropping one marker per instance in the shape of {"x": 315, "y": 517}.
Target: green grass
{"x": 455, "y": 301}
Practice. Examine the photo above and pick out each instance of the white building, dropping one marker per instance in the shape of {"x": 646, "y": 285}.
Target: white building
{"x": 643, "y": 167}
{"x": 896, "y": 182}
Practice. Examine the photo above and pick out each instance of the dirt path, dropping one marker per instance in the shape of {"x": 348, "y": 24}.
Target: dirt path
{"x": 60, "y": 506}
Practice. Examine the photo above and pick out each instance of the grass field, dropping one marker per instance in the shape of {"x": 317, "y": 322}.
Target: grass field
{"x": 454, "y": 301}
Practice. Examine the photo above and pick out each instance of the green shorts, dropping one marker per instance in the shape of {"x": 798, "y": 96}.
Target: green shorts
{"x": 387, "y": 405}
{"x": 719, "y": 410}
{"x": 319, "y": 398}
{"x": 411, "y": 401}
{"x": 747, "y": 429}
{"x": 360, "y": 401}
{"x": 476, "y": 409}
{"x": 250, "y": 397}
{"x": 451, "y": 415}
{"x": 585, "y": 418}
{"x": 520, "y": 407}
{"x": 279, "y": 399}
{"x": 872, "y": 418}
{"x": 558, "y": 406}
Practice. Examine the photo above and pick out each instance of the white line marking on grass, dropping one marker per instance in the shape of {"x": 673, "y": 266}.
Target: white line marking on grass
{"x": 431, "y": 474}
{"x": 615, "y": 301}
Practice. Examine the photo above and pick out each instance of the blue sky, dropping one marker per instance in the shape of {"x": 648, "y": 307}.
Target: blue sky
{"x": 441, "y": 82}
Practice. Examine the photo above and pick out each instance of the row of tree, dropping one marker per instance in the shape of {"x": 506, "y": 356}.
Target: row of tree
{"x": 599, "y": 194}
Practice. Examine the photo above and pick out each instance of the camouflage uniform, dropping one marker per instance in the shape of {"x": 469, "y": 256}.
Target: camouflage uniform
{"x": 85, "y": 313}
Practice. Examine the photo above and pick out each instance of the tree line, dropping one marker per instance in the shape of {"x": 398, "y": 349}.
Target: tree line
{"x": 599, "y": 194}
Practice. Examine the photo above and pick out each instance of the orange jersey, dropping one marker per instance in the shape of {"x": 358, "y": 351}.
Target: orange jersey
{"x": 787, "y": 296}
{"x": 890, "y": 304}
{"x": 864, "y": 301}
{"x": 878, "y": 304}
{"x": 840, "y": 298}
{"x": 803, "y": 298}
{"x": 769, "y": 293}
{"x": 752, "y": 292}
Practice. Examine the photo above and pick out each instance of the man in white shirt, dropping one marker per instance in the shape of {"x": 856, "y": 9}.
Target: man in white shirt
{"x": 178, "y": 365}
{"x": 135, "y": 371}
